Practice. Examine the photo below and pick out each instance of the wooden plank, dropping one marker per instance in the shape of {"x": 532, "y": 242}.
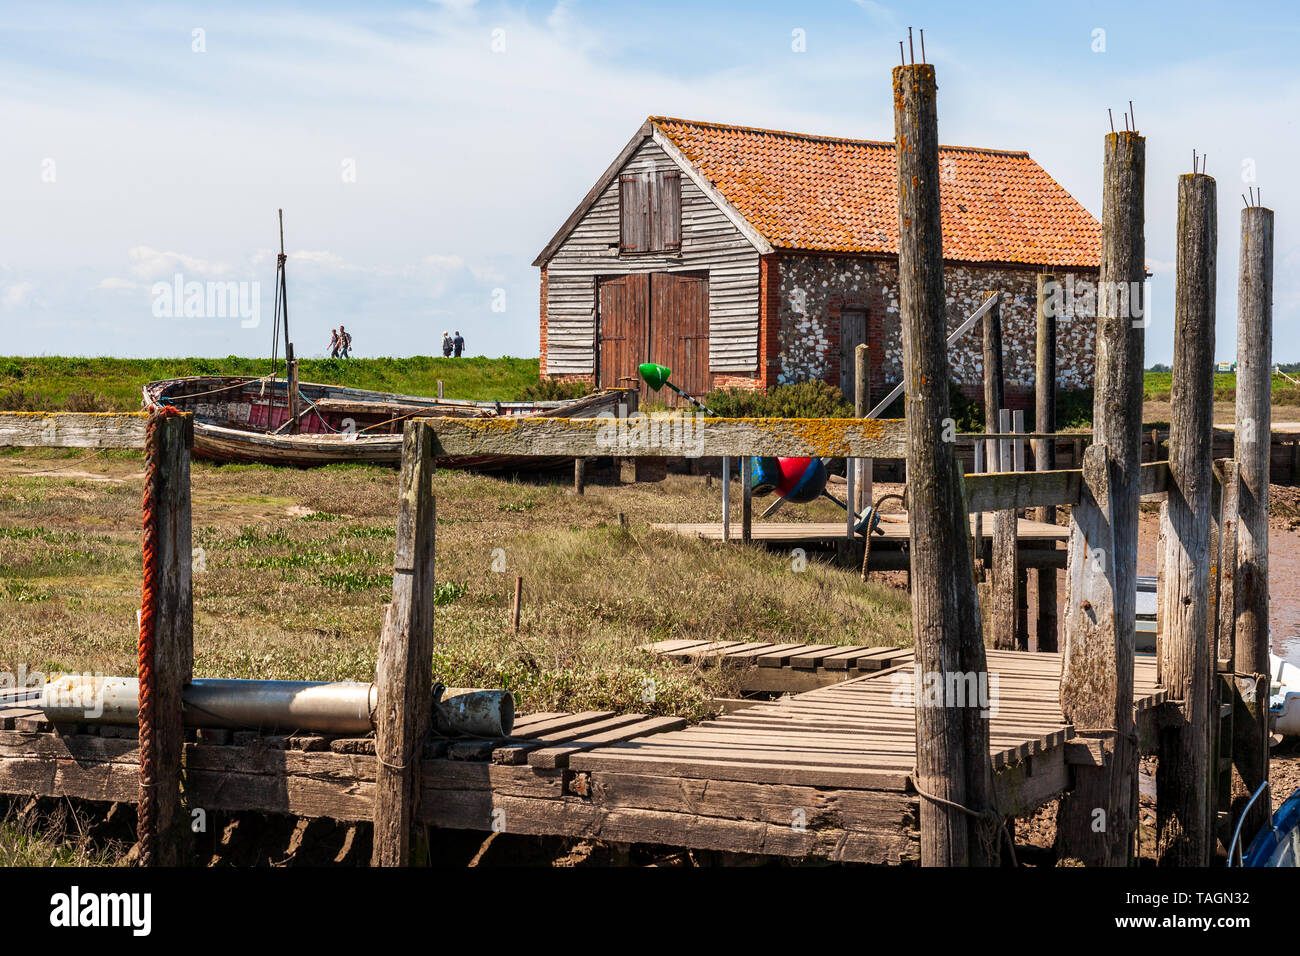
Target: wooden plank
{"x": 558, "y": 756}
{"x": 690, "y": 437}
{"x": 73, "y": 429}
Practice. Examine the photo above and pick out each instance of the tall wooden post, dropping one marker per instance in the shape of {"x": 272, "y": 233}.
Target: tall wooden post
{"x": 579, "y": 475}
{"x": 1183, "y": 804}
{"x": 1096, "y": 821}
{"x": 1002, "y": 572}
{"x": 952, "y": 742}
{"x": 726, "y": 498}
{"x": 1252, "y": 449}
{"x": 861, "y": 405}
{"x": 746, "y": 498}
{"x": 404, "y": 673}
{"x": 291, "y": 388}
{"x": 172, "y": 662}
{"x": 1049, "y": 304}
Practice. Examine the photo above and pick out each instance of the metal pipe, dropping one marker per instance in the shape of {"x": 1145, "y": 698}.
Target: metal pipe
{"x": 322, "y": 707}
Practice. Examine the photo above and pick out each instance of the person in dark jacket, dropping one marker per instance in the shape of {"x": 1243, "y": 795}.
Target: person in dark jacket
{"x": 446, "y": 345}
{"x": 458, "y": 343}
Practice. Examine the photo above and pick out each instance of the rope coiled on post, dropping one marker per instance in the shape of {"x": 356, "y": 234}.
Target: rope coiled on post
{"x": 147, "y": 811}
{"x": 992, "y": 820}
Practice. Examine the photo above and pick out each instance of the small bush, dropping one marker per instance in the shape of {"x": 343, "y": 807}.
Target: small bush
{"x": 815, "y": 399}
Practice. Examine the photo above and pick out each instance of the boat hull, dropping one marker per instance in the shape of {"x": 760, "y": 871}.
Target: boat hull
{"x": 243, "y": 420}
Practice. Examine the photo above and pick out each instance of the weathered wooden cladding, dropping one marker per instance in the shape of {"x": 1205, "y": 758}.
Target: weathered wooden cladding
{"x": 709, "y": 240}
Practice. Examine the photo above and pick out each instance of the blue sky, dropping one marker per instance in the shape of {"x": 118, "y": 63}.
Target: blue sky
{"x": 425, "y": 152}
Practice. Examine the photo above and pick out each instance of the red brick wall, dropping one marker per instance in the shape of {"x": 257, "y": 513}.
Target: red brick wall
{"x": 543, "y": 326}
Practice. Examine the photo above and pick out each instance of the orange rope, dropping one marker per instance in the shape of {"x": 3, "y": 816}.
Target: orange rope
{"x": 147, "y": 818}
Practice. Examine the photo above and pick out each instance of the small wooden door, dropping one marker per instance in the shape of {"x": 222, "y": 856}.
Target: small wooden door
{"x": 624, "y": 330}
{"x": 853, "y": 332}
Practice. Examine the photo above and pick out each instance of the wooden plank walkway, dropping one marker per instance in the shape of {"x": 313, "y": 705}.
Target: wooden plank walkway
{"x": 822, "y": 774}
{"x": 895, "y": 527}
{"x": 782, "y": 668}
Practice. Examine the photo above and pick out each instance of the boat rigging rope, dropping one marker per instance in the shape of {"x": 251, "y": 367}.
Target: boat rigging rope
{"x": 147, "y": 816}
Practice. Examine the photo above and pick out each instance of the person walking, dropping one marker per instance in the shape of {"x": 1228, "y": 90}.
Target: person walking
{"x": 446, "y": 345}
{"x": 458, "y": 343}
{"x": 345, "y": 343}
{"x": 334, "y": 343}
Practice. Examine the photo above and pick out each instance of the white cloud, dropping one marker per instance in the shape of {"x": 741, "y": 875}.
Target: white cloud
{"x": 15, "y": 293}
{"x": 113, "y": 282}
{"x": 147, "y": 263}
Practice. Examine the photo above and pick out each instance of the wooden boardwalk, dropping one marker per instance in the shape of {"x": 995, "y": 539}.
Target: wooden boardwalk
{"x": 782, "y": 668}
{"x": 823, "y": 774}
{"x": 895, "y": 529}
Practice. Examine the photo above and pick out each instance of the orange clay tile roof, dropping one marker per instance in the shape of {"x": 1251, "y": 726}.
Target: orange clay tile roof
{"x": 840, "y": 195}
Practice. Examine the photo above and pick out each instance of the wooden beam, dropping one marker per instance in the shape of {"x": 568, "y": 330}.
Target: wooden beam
{"x": 1252, "y": 450}
{"x": 660, "y": 434}
{"x": 404, "y": 672}
{"x": 173, "y": 634}
{"x": 1097, "y": 819}
{"x": 72, "y": 429}
{"x": 1048, "y": 305}
{"x": 746, "y": 499}
{"x": 1183, "y": 806}
{"x": 953, "y": 767}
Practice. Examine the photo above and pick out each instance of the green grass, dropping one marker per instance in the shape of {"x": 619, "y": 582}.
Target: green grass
{"x": 297, "y": 567}
{"x": 112, "y": 384}
{"x": 1156, "y": 387}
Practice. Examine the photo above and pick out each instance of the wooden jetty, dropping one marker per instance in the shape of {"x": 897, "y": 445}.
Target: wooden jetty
{"x": 820, "y": 775}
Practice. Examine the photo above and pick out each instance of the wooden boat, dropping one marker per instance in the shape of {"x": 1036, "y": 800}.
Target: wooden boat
{"x": 241, "y": 419}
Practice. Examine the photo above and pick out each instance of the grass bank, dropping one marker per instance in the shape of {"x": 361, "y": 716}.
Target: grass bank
{"x": 112, "y": 384}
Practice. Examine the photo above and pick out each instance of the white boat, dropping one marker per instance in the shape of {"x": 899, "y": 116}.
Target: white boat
{"x": 1284, "y": 697}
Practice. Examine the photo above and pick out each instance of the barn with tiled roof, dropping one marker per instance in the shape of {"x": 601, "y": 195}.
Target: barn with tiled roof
{"x": 745, "y": 257}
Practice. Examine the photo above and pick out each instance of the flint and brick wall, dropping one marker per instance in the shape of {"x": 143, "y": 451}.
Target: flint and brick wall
{"x": 812, "y": 291}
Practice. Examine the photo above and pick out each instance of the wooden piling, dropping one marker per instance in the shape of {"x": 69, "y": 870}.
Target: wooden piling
{"x": 579, "y": 475}
{"x": 862, "y": 490}
{"x": 1183, "y": 802}
{"x": 726, "y": 498}
{"x": 746, "y": 499}
{"x": 1252, "y": 450}
{"x": 1049, "y": 300}
{"x": 173, "y": 635}
{"x": 1003, "y": 573}
{"x": 953, "y": 768}
{"x": 404, "y": 672}
{"x": 291, "y": 386}
{"x": 1096, "y": 821}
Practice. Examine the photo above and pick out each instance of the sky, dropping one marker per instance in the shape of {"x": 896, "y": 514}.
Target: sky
{"x": 425, "y": 152}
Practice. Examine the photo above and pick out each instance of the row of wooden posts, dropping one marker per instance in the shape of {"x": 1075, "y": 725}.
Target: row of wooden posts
{"x": 1213, "y": 603}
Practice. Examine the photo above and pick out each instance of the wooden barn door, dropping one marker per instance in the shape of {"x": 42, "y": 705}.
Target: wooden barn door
{"x": 679, "y": 331}
{"x": 624, "y": 330}
{"x": 658, "y": 317}
{"x": 853, "y": 332}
